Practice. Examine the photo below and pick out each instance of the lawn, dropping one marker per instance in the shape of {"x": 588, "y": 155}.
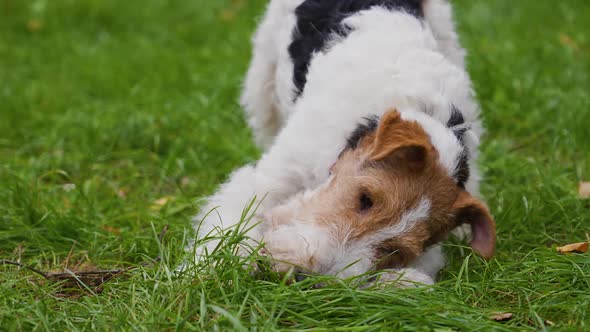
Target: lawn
{"x": 117, "y": 116}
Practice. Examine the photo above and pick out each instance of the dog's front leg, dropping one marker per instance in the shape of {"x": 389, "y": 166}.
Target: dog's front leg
{"x": 258, "y": 188}
{"x": 224, "y": 210}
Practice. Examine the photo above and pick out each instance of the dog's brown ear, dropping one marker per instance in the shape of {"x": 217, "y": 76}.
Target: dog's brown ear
{"x": 404, "y": 143}
{"x": 472, "y": 211}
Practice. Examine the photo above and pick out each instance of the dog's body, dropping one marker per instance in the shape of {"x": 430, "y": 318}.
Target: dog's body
{"x": 320, "y": 67}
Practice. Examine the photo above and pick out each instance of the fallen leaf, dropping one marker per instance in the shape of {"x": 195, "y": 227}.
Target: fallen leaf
{"x": 112, "y": 230}
{"x": 34, "y": 25}
{"x": 161, "y": 202}
{"x": 185, "y": 181}
{"x": 228, "y": 15}
{"x": 580, "y": 247}
{"x": 122, "y": 192}
{"x": 501, "y": 316}
{"x": 567, "y": 41}
{"x": 231, "y": 13}
{"x": 584, "y": 190}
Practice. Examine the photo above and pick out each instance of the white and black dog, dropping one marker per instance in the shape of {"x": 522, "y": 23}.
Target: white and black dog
{"x": 370, "y": 133}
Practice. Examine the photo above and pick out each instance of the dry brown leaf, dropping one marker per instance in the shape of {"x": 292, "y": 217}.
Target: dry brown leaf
{"x": 185, "y": 181}
{"x": 501, "y": 316}
{"x": 584, "y": 190}
{"x": 580, "y": 247}
{"x": 568, "y": 42}
{"x": 112, "y": 230}
{"x": 34, "y": 25}
{"x": 122, "y": 192}
{"x": 161, "y": 202}
{"x": 228, "y": 15}
{"x": 231, "y": 13}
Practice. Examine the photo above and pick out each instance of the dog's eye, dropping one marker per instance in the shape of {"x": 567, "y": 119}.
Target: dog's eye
{"x": 366, "y": 202}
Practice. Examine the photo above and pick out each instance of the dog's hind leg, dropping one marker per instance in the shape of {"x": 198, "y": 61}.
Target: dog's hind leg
{"x": 439, "y": 15}
{"x": 259, "y": 98}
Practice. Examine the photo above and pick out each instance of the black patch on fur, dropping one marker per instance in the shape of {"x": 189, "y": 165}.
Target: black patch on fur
{"x": 362, "y": 130}
{"x": 371, "y": 123}
{"x": 317, "y": 20}
{"x": 462, "y": 172}
{"x": 456, "y": 117}
{"x": 457, "y": 120}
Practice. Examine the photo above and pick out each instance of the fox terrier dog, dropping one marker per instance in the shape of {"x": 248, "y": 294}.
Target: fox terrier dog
{"x": 370, "y": 132}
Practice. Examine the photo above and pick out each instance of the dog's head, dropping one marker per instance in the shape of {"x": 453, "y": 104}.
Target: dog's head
{"x": 390, "y": 195}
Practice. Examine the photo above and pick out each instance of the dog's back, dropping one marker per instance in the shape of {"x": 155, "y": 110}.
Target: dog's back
{"x": 321, "y": 21}
{"x": 292, "y": 31}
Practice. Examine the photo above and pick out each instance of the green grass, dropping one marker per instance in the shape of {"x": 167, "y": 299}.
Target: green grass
{"x": 107, "y": 106}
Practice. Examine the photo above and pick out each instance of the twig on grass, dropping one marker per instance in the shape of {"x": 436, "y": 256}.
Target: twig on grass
{"x": 9, "y": 262}
{"x": 89, "y": 282}
{"x": 73, "y": 282}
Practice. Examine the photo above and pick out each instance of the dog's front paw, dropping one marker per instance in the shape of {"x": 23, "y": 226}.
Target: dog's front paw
{"x": 402, "y": 278}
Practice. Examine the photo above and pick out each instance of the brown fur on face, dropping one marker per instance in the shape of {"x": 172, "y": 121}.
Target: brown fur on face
{"x": 389, "y": 173}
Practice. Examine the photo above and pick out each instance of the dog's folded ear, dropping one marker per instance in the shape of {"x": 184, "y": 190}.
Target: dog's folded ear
{"x": 404, "y": 143}
{"x": 472, "y": 211}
